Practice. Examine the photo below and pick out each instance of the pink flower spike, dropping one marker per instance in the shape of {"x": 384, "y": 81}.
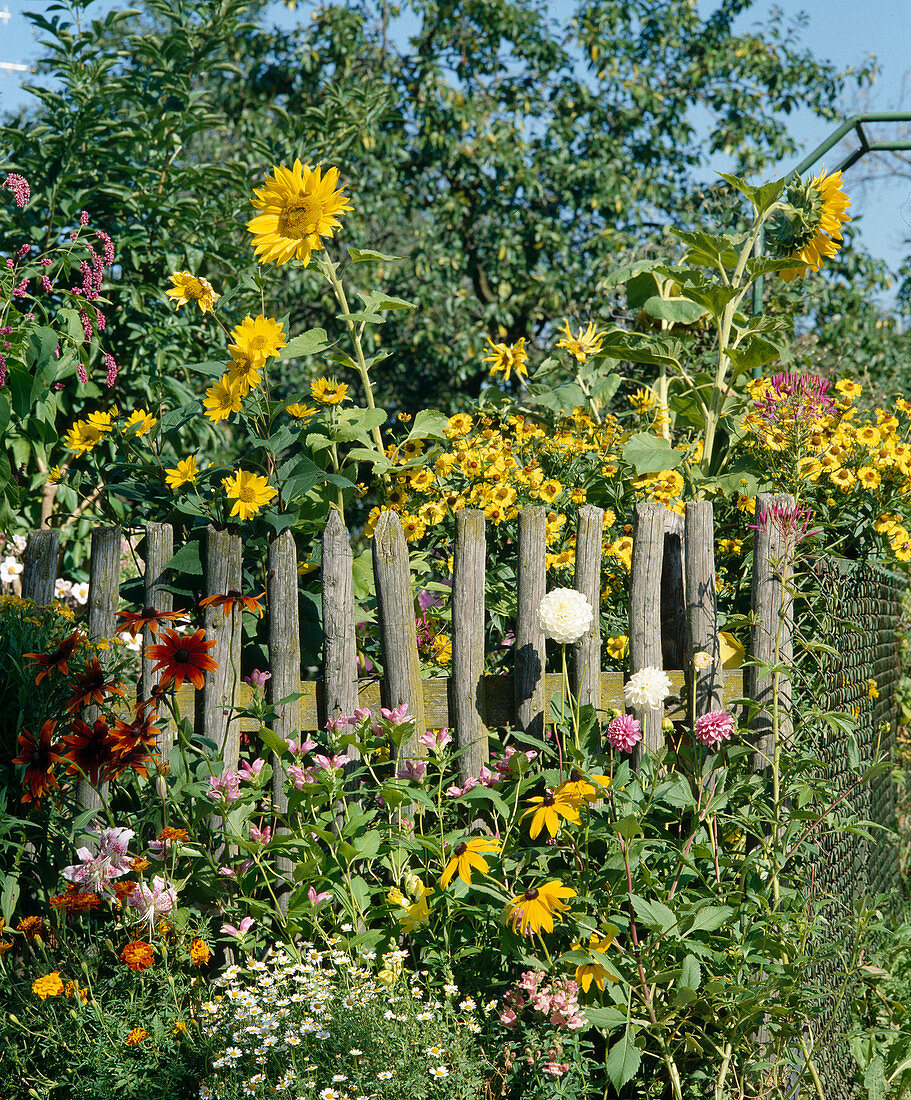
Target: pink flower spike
{"x": 245, "y": 925}
{"x": 413, "y": 770}
{"x": 453, "y": 792}
{"x": 315, "y": 899}
{"x": 360, "y": 715}
{"x": 330, "y": 763}
{"x": 258, "y": 678}
{"x": 261, "y": 836}
{"x": 398, "y": 716}
{"x": 335, "y": 724}
{"x": 250, "y": 771}
{"x": 227, "y": 872}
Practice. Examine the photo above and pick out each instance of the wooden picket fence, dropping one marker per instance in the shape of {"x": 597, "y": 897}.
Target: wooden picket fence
{"x": 673, "y": 614}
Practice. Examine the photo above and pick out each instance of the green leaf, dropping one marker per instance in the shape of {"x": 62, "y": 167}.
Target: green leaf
{"x": 678, "y": 311}
{"x": 754, "y": 352}
{"x": 709, "y": 918}
{"x": 311, "y": 342}
{"x": 654, "y": 914}
{"x": 273, "y": 741}
{"x": 623, "y": 1059}
{"x": 649, "y": 454}
{"x": 188, "y": 559}
{"x": 741, "y": 185}
{"x": 690, "y": 974}
{"x": 605, "y": 1018}
{"x": 360, "y": 255}
{"x": 367, "y": 844}
{"x": 429, "y": 424}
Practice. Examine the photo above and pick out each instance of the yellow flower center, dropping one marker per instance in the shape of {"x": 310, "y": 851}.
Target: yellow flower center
{"x": 300, "y": 217}
{"x": 247, "y": 494}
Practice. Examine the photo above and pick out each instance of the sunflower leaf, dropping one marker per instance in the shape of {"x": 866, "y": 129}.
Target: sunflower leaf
{"x": 623, "y": 1059}
{"x": 360, "y": 255}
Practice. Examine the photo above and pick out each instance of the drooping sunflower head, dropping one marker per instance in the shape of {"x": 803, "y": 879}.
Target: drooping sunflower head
{"x": 807, "y": 228}
{"x": 299, "y": 207}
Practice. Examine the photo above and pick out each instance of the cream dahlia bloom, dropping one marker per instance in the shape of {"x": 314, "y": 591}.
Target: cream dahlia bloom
{"x": 648, "y": 687}
{"x": 565, "y": 615}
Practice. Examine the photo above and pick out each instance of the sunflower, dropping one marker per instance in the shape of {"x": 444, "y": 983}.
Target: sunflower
{"x": 466, "y": 855}
{"x": 250, "y": 492}
{"x": 135, "y": 621}
{"x": 232, "y": 597}
{"x": 38, "y": 756}
{"x": 192, "y": 288}
{"x": 807, "y": 227}
{"x": 182, "y": 658}
{"x": 82, "y": 437}
{"x": 91, "y": 687}
{"x": 299, "y": 411}
{"x": 326, "y": 391}
{"x": 551, "y": 806}
{"x": 222, "y": 399}
{"x": 58, "y": 659}
{"x": 537, "y": 907}
{"x": 586, "y": 342}
{"x": 243, "y": 371}
{"x": 258, "y": 339}
{"x": 184, "y": 473}
{"x": 506, "y": 358}
{"x": 298, "y": 207}
{"x": 142, "y": 421}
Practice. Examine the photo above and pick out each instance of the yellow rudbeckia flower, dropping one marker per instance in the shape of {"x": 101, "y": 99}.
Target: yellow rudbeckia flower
{"x": 250, "y": 492}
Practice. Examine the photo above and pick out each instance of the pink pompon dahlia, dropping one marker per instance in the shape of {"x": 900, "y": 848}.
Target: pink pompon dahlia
{"x": 714, "y": 728}
{"x": 624, "y": 732}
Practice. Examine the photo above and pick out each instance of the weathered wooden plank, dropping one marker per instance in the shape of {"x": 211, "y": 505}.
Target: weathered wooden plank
{"x": 645, "y": 612}
{"x": 215, "y": 701}
{"x": 284, "y": 666}
{"x": 499, "y": 693}
{"x": 771, "y": 637}
{"x": 587, "y": 580}
{"x": 466, "y": 686}
{"x": 530, "y": 642}
{"x": 104, "y": 592}
{"x": 39, "y": 561}
{"x": 702, "y": 605}
{"x": 398, "y": 635}
{"x": 159, "y": 549}
{"x": 339, "y": 648}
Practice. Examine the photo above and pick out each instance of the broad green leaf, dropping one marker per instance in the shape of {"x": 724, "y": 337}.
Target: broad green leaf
{"x": 623, "y": 1059}
{"x": 311, "y": 342}
{"x": 709, "y": 918}
{"x": 360, "y": 255}
{"x": 649, "y": 454}
{"x": 690, "y": 973}
{"x": 753, "y": 352}
{"x": 654, "y": 914}
{"x": 605, "y": 1018}
{"x": 429, "y": 424}
{"x": 678, "y": 311}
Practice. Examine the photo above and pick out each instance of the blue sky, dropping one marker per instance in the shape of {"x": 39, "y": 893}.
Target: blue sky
{"x": 842, "y": 31}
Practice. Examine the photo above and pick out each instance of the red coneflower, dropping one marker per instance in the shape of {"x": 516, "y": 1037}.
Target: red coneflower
{"x": 132, "y": 742}
{"x": 232, "y": 597}
{"x": 182, "y": 658}
{"x": 90, "y": 687}
{"x": 58, "y": 659}
{"x": 38, "y": 757}
{"x": 134, "y": 621}
{"x": 88, "y": 749}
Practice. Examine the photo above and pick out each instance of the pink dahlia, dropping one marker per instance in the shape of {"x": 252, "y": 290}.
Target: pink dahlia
{"x": 624, "y": 732}
{"x": 714, "y": 727}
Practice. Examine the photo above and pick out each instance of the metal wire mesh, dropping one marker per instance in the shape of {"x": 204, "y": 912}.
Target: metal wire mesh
{"x": 857, "y": 610}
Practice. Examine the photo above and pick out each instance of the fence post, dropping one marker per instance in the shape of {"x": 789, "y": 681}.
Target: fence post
{"x": 285, "y": 667}
{"x": 645, "y": 613}
{"x": 773, "y": 622}
{"x": 587, "y": 580}
{"x": 159, "y": 550}
{"x": 339, "y": 649}
{"x": 104, "y": 592}
{"x": 398, "y": 635}
{"x": 217, "y": 698}
{"x": 466, "y": 686}
{"x": 529, "y": 646}
{"x": 673, "y": 607}
{"x": 702, "y": 607}
{"x": 39, "y": 561}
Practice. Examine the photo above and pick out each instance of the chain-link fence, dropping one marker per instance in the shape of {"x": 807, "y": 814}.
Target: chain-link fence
{"x": 857, "y": 610}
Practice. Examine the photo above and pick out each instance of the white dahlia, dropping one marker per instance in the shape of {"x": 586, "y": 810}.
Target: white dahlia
{"x": 648, "y": 687}
{"x": 565, "y": 615}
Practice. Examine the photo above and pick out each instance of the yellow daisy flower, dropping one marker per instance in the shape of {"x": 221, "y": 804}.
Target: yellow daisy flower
{"x": 222, "y": 399}
{"x": 55, "y": 475}
{"x": 537, "y": 907}
{"x": 142, "y": 421}
{"x": 458, "y": 425}
{"x": 184, "y": 473}
{"x": 848, "y": 389}
{"x": 299, "y": 206}
{"x": 243, "y": 371}
{"x": 467, "y": 855}
{"x": 192, "y": 288}
{"x": 617, "y": 647}
{"x": 442, "y": 649}
{"x": 549, "y": 808}
{"x": 506, "y": 358}
{"x": 328, "y": 392}
{"x": 250, "y": 492}
{"x": 586, "y": 342}
{"x": 299, "y": 411}
{"x": 82, "y": 437}
{"x": 258, "y": 338}
{"x": 593, "y": 972}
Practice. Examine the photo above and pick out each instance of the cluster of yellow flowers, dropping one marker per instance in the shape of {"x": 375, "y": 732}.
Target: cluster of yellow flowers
{"x": 84, "y": 435}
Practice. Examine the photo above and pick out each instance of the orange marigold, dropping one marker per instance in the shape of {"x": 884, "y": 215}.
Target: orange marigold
{"x": 199, "y": 952}
{"x": 170, "y": 833}
{"x": 80, "y": 992}
{"x": 138, "y": 955}
{"x": 33, "y": 927}
{"x": 49, "y": 985}
{"x": 136, "y": 1036}
{"x": 75, "y": 901}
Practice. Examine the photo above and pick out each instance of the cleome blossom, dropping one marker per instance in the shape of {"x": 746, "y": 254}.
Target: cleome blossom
{"x": 565, "y": 615}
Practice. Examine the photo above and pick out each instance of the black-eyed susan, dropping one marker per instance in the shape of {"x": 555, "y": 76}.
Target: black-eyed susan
{"x": 192, "y": 288}
{"x": 88, "y": 749}
{"x": 92, "y": 686}
{"x": 807, "y": 226}
{"x": 184, "y": 473}
{"x": 222, "y": 399}
{"x": 581, "y": 788}
{"x": 548, "y": 808}
{"x": 506, "y": 358}
{"x": 250, "y": 492}
{"x": 58, "y": 659}
{"x": 182, "y": 658}
{"x": 536, "y": 908}
{"x": 594, "y": 972}
{"x": 587, "y": 341}
{"x": 233, "y": 599}
{"x": 258, "y": 338}
{"x": 38, "y": 756}
{"x": 327, "y": 391}
{"x": 299, "y": 206}
{"x": 467, "y": 855}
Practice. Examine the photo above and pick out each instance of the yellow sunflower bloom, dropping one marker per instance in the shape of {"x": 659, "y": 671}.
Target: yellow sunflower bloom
{"x": 142, "y": 421}
{"x": 82, "y": 437}
{"x": 258, "y": 338}
{"x": 102, "y": 421}
{"x": 442, "y": 649}
{"x": 299, "y": 411}
{"x": 222, "y": 399}
{"x": 586, "y": 342}
{"x": 466, "y": 855}
{"x": 184, "y": 473}
{"x": 299, "y": 206}
{"x": 807, "y": 228}
{"x": 250, "y": 493}
{"x": 243, "y": 372}
{"x": 192, "y": 288}
{"x": 326, "y": 391}
{"x": 536, "y": 908}
{"x": 547, "y": 810}
{"x": 642, "y": 400}
{"x": 506, "y": 358}
{"x": 55, "y": 475}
